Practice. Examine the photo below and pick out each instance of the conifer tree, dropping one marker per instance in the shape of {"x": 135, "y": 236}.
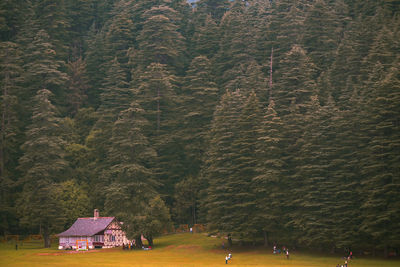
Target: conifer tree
{"x": 11, "y": 71}
{"x": 279, "y": 30}
{"x": 234, "y": 50}
{"x": 201, "y": 95}
{"x": 315, "y": 185}
{"x": 382, "y": 161}
{"x": 77, "y": 85}
{"x": 160, "y": 41}
{"x": 51, "y": 17}
{"x": 296, "y": 81}
{"x": 219, "y": 167}
{"x": 206, "y": 37}
{"x": 214, "y": 7}
{"x": 345, "y": 168}
{"x": 248, "y": 77}
{"x": 186, "y": 198}
{"x": 130, "y": 153}
{"x": 132, "y": 184}
{"x": 42, "y": 165}
{"x": 12, "y": 15}
{"x": 115, "y": 97}
{"x": 43, "y": 69}
{"x": 345, "y": 72}
{"x": 95, "y": 60}
{"x": 115, "y": 94}
{"x": 268, "y": 184}
{"x": 322, "y": 22}
{"x": 242, "y": 211}
{"x": 119, "y": 33}
{"x": 82, "y": 14}
{"x": 10, "y": 80}
{"x": 155, "y": 91}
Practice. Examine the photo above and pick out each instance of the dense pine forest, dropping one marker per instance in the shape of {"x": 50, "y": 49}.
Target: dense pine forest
{"x": 266, "y": 120}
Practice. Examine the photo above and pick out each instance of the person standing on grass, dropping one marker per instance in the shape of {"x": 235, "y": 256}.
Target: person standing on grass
{"x": 287, "y": 254}
{"x": 226, "y": 260}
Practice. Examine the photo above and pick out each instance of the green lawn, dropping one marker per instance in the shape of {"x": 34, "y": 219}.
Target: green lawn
{"x": 172, "y": 250}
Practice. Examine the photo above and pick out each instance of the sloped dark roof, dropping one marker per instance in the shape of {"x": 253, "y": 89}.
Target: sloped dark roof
{"x": 88, "y": 226}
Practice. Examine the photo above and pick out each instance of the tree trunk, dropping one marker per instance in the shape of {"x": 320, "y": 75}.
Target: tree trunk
{"x": 138, "y": 241}
{"x": 46, "y": 237}
{"x": 386, "y": 251}
{"x": 194, "y": 212}
{"x": 150, "y": 240}
{"x": 230, "y": 240}
{"x": 266, "y": 242}
{"x": 3, "y": 123}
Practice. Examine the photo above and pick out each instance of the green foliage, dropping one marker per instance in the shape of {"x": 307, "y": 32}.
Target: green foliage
{"x": 77, "y": 85}
{"x": 72, "y": 201}
{"x": 42, "y": 68}
{"x": 160, "y": 41}
{"x": 42, "y": 164}
{"x": 155, "y": 101}
{"x": 186, "y": 197}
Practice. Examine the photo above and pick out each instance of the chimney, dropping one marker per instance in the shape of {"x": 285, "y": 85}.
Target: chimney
{"x": 96, "y": 214}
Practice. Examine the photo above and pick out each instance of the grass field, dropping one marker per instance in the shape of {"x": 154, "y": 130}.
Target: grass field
{"x": 172, "y": 250}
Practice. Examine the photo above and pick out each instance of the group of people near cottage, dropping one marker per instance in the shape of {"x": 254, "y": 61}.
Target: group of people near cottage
{"x": 227, "y": 258}
{"x": 128, "y": 246}
{"x": 278, "y": 251}
{"x": 131, "y": 245}
{"x": 347, "y": 259}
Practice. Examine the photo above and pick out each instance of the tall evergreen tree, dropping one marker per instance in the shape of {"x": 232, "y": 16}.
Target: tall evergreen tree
{"x": 119, "y": 33}
{"x": 43, "y": 69}
{"x": 268, "y": 185}
{"x": 12, "y": 15}
{"x": 206, "y": 37}
{"x": 10, "y": 80}
{"x": 242, "y": 210}
{"x": 201, "y": 95}
{"x": 42, "y": 165}
{"x": 95, "y": 60}
{"x": 156, "y": 92}
{"x": 296, "y": 81}
{"x": 10, "y": 135}
{"x": 219, "y": 167}
{"x": 234, "y": 50}
{"x": 214, "y": 7}
{"x": 160, "y": 41}
{"x": 131, "y": 181}
{"x": 316, "y": 187}
{"x": 322, "y": 22}
{"x": 77, "y": 85}
{"x": 382, "y": 161}
{"x": 52, "y": 17}
{"x": 115, "y": 97}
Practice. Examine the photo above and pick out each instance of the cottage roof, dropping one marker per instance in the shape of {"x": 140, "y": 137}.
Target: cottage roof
{"x": 88, "y": 226}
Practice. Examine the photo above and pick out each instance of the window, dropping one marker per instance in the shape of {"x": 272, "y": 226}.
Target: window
{"x": 98, "y": 238}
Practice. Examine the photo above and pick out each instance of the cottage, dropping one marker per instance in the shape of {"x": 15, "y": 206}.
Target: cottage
{"x": 93, "y": 232}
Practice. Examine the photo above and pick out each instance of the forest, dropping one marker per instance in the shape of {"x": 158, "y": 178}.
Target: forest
{"x": 266, "y": 120}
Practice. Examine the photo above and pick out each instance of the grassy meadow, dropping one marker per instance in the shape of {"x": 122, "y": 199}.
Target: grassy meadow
{"x": 172, "y": 250}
